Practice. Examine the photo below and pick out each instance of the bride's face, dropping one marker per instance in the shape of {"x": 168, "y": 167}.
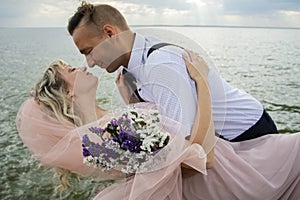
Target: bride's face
{"x": 78, "y": 79}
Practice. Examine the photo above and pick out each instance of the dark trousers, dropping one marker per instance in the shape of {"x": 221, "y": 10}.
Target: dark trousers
{"x": 265, "y": 125}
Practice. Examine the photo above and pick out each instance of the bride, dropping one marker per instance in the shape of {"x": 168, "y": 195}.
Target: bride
{"x": 63, "y": 109}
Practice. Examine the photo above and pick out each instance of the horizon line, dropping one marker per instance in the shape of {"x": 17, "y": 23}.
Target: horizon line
{"x": 221, "y": 26}
{"x": 170, "y": 25}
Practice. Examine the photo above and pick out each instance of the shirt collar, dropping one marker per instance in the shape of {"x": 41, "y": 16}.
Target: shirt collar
{"x": 137, "y": 53}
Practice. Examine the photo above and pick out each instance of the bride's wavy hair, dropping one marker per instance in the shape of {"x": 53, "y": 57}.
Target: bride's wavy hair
{"x": 51, "y": 92}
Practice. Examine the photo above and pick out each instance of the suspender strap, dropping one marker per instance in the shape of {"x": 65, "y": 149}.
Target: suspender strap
{"x": 159, "y": 45}
{"x": 129, "y": 77}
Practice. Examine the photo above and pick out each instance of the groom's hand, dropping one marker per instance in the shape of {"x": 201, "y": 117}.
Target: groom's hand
{"x": 125, "y": 90}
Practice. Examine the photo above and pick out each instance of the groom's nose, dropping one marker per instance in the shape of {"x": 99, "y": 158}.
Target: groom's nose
{"x": 90, "y": 61}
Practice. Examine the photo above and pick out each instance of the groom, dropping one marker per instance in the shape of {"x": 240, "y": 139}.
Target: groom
{"x": 102, "y": 34}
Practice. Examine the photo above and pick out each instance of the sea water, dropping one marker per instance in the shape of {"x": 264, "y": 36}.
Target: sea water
{"x": 261, "y": 61}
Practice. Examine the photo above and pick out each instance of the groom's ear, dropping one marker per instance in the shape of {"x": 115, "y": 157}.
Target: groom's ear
{"x": 109, "y": 30}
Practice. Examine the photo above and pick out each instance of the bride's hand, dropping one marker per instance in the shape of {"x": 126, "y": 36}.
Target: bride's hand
{"x": 195, "y": 65}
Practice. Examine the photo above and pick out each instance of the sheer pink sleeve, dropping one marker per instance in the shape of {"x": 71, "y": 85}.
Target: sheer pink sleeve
{"x": 55, "y": 144}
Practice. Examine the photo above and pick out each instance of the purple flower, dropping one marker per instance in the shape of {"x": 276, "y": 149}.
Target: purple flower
{"x": 97, "y": 130}
{"x": 124, "y": 122}
{"x": 129, "y": 142}
{"x": 122, "y": 136}
{"x": 114, "y": 122}
{"x": 85, "y": 152}
{"x": 108, "y": 153}
{"x": 89, "y": 147}
{"x": 85, "y": 141}
{"x": 94, "y": 150}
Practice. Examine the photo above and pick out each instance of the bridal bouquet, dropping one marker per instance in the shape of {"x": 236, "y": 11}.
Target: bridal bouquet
{"x": 128, "y": 141}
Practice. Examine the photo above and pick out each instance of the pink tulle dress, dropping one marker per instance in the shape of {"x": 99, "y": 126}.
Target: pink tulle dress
{"x": 265, "y": 168}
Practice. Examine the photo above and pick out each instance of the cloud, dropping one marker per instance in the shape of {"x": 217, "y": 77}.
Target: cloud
{"x": 259, "y": 7}
{"x": 165, "y": 4}
{"x": 35, "y": 12}
{"x": 151, "y": 12}
{"x": 282, "y": 13}
{"x": 49, "y": 13}
{"x": 15, "y": 9}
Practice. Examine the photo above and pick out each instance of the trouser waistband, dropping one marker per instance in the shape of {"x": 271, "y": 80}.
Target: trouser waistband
{"x": 265, "y": 125}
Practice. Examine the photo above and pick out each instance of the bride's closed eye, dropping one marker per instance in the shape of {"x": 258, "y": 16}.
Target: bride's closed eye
{"x": 71, "y": 69}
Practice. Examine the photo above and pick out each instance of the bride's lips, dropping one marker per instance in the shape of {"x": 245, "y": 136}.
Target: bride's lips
{"x": 90, "y": 74}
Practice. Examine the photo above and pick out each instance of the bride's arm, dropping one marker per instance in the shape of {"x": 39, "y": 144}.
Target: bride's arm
{"x": 203, "y": 128}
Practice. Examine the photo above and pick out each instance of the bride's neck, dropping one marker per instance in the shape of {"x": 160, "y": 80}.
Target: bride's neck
{"x": 88, "y": 109}
{"x": 100, "y": 112}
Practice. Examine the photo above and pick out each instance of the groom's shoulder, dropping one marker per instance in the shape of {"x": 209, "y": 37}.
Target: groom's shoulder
{"x": 165, "y": 60}
{"x": 165, "y": 54}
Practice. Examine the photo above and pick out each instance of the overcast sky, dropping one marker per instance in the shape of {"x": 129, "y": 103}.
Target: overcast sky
{"x": 55, "y": 13}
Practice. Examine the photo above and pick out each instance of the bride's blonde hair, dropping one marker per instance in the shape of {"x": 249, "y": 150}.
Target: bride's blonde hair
{"x": 51, "y": 92}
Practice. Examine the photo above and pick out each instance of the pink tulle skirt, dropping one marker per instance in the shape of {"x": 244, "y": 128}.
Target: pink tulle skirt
{"x": 263, "y": 168}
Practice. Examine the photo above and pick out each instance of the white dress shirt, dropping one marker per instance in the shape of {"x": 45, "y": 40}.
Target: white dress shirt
{"x": 162, "y": 78}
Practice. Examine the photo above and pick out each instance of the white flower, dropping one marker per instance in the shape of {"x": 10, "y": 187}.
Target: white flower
{"x": 148, "y": 142}
{"x": 139, "y": 120}
{"x": 165, "y": 136}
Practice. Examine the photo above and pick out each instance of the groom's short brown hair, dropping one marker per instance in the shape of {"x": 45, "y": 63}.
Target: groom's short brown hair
{"x": 99, "y": 15}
